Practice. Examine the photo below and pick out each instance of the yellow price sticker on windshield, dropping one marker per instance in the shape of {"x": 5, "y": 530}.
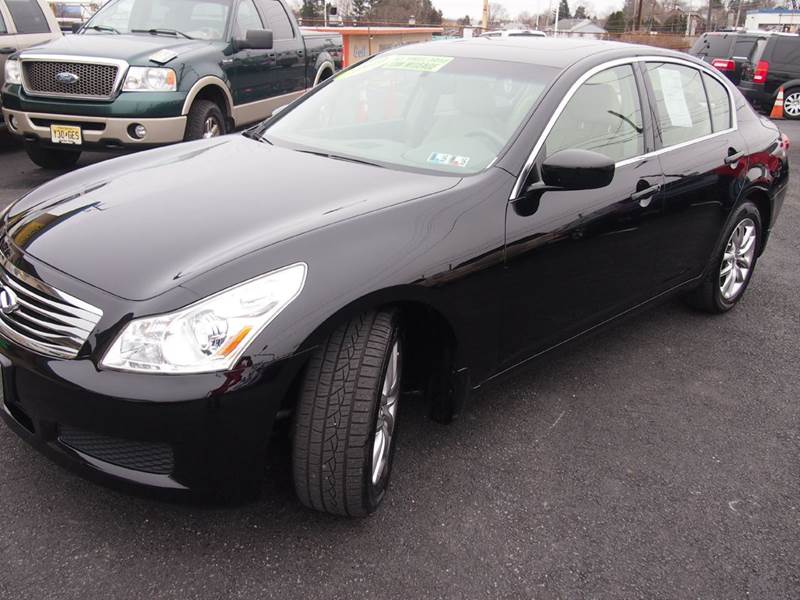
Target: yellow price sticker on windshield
{"x": 416, "y": 62}
{"x": 404, "y": 62}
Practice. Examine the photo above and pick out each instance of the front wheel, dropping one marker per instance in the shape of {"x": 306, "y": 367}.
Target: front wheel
{"x": 205, "y": 120}
{"x": 52, "y": 158}
{"x": 730, "y": 274}
{"x": 345, "y": 423}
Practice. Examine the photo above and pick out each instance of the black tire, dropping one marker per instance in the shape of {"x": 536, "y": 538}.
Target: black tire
{"x": 708, "y": 297}
{"x": 786, "y": 95}
{"x": 51, "y": 158}
{"x": 337, "y": 415}
{"x": 201, "y": 111}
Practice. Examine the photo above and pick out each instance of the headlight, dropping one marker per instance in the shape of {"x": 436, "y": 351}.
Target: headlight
{"x": 150, "y": 79}
{"x": 13, "y": 71}
{"x": 210, "y": 335}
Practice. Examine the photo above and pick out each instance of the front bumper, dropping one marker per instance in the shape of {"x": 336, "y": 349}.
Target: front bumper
{"x": 105, "y": 133}
{"x": 214, "y": 442}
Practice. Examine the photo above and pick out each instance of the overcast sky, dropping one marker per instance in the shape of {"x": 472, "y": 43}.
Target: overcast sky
{"x": 473, "y": 8}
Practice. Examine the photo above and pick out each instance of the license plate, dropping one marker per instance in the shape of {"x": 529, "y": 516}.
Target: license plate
{"x": 66, "y": 134}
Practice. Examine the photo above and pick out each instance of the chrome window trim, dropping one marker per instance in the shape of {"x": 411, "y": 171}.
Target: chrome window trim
{"x": 630, "y": 60}
{"x": 122, "y": 71}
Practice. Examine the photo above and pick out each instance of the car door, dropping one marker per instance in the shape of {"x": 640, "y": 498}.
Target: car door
{"x": 8, "y": 41}
{"x": 704, "y": 159}
{"x": 582, "y": 257}
{"x": 249, "y": 70}
{"x": 290, "y": 59}
{"x": 31, "y": 24}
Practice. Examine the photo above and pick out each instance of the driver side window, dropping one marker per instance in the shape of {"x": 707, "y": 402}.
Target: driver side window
{"x": 604, "y": 115}
{"x": 247, "y": 18}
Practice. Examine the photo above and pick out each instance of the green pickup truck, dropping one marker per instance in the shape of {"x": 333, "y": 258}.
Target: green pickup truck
{"x": 144, "y": 73}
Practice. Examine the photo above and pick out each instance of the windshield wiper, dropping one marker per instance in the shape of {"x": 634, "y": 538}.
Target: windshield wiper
{"x": 340, "y": 157}
{"x": 103, "y": 28}
{"x": 254, "y": 133}
{"x": 157, "y": 31}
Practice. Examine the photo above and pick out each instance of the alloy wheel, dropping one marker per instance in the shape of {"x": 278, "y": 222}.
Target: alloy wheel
{"x": 211, "y": 128}
{"x": 791, "y": 104}
{"x": 737, "y": 261}
{"x": 387, "y": 415}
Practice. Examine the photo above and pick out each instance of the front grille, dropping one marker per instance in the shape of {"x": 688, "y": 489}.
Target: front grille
{"x": 94, "y": 81}
{"x": 150, "y": 457}
{"x": 45, "y": 320}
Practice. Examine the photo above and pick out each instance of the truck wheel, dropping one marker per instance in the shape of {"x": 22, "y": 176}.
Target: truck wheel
{"x": 205, "y": 121}
{"x": 344, "y": 429}
{"x": 50, "y": 158}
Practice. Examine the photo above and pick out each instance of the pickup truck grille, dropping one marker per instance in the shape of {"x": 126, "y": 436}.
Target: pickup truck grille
{"x": 94, "y": 81}
{"x": 41, "y": 318}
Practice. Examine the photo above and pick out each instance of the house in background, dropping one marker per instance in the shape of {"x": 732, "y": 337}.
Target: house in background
{"x": 578, "y": 28}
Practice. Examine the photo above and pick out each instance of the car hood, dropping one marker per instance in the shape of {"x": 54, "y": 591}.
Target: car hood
{"x": 140, "y": 225}
{"x": 133, "y": 48}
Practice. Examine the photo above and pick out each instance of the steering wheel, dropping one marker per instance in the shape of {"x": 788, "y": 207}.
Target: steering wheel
{"x": 487, "y": 135}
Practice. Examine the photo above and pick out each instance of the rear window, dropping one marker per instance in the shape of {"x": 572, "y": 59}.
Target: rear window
{"x": 786, "y": 50}
{"x": 28, "y": 16}
{"x": 713, "y": 46}
{"x": 743, "y": 48}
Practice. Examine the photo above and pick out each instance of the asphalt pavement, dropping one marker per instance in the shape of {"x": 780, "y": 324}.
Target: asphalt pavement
{"x": 660, "y": 459}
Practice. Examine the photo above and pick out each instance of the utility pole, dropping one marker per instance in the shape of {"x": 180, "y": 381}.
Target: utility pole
{"x": 555, "y": 25}
{"x": 638, "y": 22}
{"x": 485, "y": 15}
{"x": 708, "y": 18}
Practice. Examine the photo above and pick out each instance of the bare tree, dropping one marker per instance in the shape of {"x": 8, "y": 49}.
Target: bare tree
{"x": 497, "y": 13}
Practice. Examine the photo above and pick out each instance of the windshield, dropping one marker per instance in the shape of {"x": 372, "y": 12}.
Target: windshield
{"x": 203, "y": 19}
{"x": 440, "y": 113}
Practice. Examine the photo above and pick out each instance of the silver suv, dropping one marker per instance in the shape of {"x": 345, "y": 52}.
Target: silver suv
{"x": 24, "y": 23}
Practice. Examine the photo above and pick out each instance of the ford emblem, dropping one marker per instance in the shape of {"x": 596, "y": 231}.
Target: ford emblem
{"x": 67, "y": 78}
{"x": 8, "y": 300}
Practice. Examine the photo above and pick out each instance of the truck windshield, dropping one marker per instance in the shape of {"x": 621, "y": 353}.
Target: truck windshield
{"x": 439, "y": 113}
{"x": 198, "y": 19}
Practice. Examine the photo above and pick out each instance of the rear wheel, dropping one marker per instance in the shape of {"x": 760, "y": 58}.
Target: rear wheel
{"x": 791, "y": 104}
{"x": 205, "y": 120}
{"x": 52, "y": 158}
{"x": 345, "y": 423}
{"x": 730, "y": 274}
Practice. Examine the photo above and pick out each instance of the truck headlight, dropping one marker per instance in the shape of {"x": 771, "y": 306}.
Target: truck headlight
{"x": 210, "y": 335}
{"x": 13, "y": 71}
{"x": 150, "y": 79}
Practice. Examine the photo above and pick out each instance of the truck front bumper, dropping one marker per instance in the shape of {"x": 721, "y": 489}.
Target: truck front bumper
{"x": 98, "y": 133}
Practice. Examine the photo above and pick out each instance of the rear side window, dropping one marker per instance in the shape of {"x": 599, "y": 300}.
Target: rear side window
{"x": 28, "y": 16}
{"x": 719, "y": 103}
{"x": 604, "y": 116}
{"x": 277, "y": 21}
{"x": 681, "y": 104}
{"x": 3, "y": 28}
{"x": 712, "y": 46}
{"x": 787, "y": 50}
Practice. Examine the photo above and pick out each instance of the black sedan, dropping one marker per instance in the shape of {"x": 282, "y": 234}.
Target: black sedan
{"x": 427, "y": 220}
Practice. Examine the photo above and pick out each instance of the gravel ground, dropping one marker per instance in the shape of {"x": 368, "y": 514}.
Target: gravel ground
{"x": 657, "y": 460}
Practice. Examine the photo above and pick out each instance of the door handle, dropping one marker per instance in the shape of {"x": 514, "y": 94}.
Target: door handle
{"x": 7, "y": 50}
{"x": 735, "y": 157}
{"x": 645, "y": 196}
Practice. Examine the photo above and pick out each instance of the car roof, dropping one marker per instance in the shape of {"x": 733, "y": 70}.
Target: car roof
{"x": 545, "y": 51}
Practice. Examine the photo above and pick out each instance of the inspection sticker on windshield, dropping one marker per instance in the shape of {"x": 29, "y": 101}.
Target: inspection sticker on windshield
{"x": 416, "y": 62}
{"x": 448, "y": 160}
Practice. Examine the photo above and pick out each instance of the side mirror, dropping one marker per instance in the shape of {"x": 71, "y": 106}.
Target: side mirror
{"x": 567, "y": 170}
{"x": 255, "y": 39}
{"x": 577, "y": 170}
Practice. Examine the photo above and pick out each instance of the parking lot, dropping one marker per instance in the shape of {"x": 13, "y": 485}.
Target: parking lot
{"x": 660, "y": 459}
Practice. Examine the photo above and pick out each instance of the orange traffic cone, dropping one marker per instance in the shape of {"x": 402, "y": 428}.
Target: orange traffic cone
{"x": 777, "y": 108}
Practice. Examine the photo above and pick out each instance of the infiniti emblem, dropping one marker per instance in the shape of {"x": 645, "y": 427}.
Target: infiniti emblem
{"x": 66, "y": 77}
{"x": 8, "y": 300}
